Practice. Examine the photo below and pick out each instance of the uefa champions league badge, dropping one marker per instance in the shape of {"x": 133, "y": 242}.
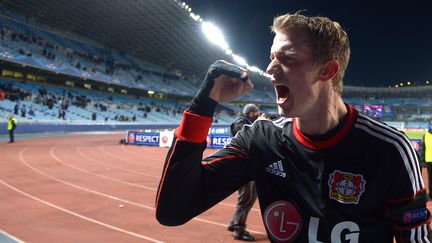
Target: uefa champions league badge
{"x": 415, "y": 216}
{"x": 346, "y": 187}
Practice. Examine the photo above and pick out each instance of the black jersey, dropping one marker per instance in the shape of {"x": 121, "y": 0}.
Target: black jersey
{"x": 362, "y": 184}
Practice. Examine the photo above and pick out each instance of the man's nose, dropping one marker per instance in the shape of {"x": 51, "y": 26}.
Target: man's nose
{"x": 272, "y": 68}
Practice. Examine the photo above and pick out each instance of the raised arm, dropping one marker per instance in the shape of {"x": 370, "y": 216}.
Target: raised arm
{"x": 190, "y": 185}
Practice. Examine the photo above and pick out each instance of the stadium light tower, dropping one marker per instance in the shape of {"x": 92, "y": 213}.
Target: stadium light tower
{"x": 240, "y": 60}
{"x": 214, "y": 34}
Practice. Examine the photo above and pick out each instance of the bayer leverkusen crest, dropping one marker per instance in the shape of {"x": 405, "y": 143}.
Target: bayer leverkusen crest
{"x": 346, "y": 187}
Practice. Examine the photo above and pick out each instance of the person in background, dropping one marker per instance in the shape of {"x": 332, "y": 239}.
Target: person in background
{"x": 247, "y": 194}
{"x": 11, "y": 125}
{"x": 426, "y": 156}
{"x": 31, "y": 112}
{"x": 23, "y": 111}
{"x": 16, "y": 108}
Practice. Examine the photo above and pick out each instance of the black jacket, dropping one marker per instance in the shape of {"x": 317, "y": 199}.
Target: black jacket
{"x": 238, "y": 124}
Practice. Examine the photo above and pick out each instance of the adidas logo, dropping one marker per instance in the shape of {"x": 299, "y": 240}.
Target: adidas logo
{"x": 276, "y": 169}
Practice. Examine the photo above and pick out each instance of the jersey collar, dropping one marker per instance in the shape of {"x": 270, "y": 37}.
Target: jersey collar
{"x": 333, "y": 140}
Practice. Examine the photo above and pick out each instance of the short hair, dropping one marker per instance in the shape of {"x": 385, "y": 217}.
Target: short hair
{"x": 250, "y": 108}
{"x": 327, "y": 40}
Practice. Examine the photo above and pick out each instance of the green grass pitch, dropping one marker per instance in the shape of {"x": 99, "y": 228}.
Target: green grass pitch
{"x": 414, "y": 134}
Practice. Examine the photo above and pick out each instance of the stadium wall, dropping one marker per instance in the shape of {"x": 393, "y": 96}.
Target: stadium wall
{"x": 53, "y": 127}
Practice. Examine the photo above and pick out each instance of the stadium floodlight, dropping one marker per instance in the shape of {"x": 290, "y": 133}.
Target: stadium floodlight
{"x": 259, "y": 71}
{"x": 214, "y": 34}
{"x": 255, "y": 69}
{"x": 240, "y": 60}
{"x": 194, "y": 16}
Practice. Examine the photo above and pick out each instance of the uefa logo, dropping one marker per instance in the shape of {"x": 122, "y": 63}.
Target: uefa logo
{"x": 164, "y": 139}
{"x": 131, "y": 137}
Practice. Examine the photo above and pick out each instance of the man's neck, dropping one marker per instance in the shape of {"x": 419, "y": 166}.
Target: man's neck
{"x": 324, "y": 117}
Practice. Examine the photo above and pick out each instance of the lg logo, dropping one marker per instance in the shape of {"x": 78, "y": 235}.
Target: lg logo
{"x": 284, "y": 223}
{"x": 350, "y": 229}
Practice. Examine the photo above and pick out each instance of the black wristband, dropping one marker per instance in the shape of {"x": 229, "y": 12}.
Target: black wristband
{"x": 203, "y": 106}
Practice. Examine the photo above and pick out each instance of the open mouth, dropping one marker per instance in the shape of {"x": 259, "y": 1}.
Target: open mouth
{"x": 282, "y": 93}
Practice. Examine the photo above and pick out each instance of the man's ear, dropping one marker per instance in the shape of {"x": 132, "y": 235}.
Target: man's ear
{"x": 329, "y": 70}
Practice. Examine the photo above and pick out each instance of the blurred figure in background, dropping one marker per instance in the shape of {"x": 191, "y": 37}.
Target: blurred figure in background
{"x": 247, "y": 194}
{"x": 426, "y": 156}
{"x": 12, "y": 123}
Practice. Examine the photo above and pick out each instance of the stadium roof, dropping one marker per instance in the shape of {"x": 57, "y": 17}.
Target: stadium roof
{"x": 401, "y": 92}
{"x": 157, "y": 31}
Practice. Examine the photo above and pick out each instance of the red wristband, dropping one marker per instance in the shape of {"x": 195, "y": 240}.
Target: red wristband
{"x": 193, "y": 128}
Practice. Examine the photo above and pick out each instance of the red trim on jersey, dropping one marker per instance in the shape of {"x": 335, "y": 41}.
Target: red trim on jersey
{"x": 193, "y": 128}
{"x": 164, "y": 174}
{"x": 236, "y": 149}
{"x": 407, "y": 198}
{"x": 221, "y": 158}
{"x": 328, "y": 143}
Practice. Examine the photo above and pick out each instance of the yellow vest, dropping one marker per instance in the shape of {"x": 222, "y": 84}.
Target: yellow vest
{"x": 9, "y": 126}
{"x": 428, "y": 147}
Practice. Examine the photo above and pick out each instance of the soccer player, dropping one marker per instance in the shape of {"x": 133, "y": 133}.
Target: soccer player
{"x": 327, "y": 173}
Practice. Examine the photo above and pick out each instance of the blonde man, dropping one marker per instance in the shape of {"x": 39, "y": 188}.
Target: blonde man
{"x": 325, "y": 173}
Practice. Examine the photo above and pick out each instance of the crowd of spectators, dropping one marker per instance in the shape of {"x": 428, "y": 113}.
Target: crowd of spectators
{"x": 38, "y": 44}
{"x": 63, "y": 100}
{"x": 99, "y": 60}
{"x": 14, "y": 93}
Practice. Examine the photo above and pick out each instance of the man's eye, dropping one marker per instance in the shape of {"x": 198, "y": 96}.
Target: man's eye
{"x": 284, "y": 58}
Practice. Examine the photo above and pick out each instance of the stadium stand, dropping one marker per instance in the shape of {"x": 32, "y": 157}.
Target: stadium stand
{"x": 47, "y": 103}
{"x": 142, "y": 69}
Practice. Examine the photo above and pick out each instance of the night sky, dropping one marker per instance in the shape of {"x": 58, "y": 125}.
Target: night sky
{"x": 391, "y": 41}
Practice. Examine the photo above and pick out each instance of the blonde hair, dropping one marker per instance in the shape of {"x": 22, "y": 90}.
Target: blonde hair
{"x": 327, "y": 40}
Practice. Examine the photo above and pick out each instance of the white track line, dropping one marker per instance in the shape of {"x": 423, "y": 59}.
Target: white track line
{"x": 113, "y": 197}
{"x": 79, "y": 215}
{"x": 133, "y": 184}
{"x": 143, "y": 147}
{"x": 221, "y": 203}
{"x": 11, "y": 236}
{"x": 113, "y": 166}
{"x": 98, "y": 175}
{"x": 79, "y": 187}
{"x": 131, "y": 161}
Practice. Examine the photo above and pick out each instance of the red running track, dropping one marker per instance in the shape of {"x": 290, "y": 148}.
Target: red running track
{"x": 93, "y": 189}
{"x": 90, "y": 188}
